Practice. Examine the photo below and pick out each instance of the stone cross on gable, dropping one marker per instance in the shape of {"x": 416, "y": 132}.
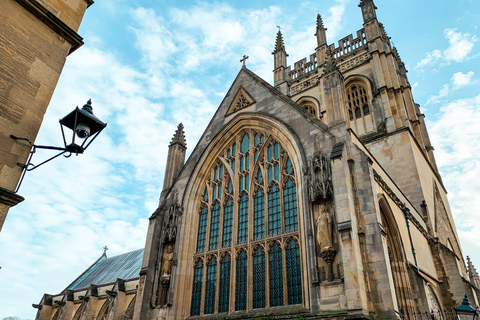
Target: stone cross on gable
{"x": 105, "y": 249}
{"x": 244, "y": 59}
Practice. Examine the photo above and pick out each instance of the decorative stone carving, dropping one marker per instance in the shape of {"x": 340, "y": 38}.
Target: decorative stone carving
{"x": 319, "y": 176}
{"x": 167, "y": 260}
{"x": 324, "y": 229}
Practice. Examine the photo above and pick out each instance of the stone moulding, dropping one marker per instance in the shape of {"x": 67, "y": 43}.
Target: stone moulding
{"x": 57, "y": 25}
{"x": 10, "y": 198}
{"x": 400, "y": 204}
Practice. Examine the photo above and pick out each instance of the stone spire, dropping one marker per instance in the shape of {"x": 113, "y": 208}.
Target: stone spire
{"x": 368, "y": 10}
{"x": 472, "y": 272}
{"x": 176, "y": 157}
{"x": 321, "y": 35}
{"x": 179, "y": 137}
{"x": 280, "y": 63}
{"x": 279, "y": 46}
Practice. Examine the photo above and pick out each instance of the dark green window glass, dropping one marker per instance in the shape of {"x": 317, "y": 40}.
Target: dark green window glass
{"x": 233, "y": 165}
{"x": 245, "y": 144}
{"x": 259, "y": 215}
{"x": 214, "y": 227}
{"x": 214, "y": 193}
{"x": 240, "y": 183}
{"x": 202, "y": 230}
{"x": 205, "y": 195}
{"x": 241, "y": 282}
{"x": 259, "y": 176}
{"x": 255, "y": 156}
{"x": 241, "y": 163}
{"x": 258, "y": 278}
{"x": 224, "y": 294}
{"x": 276, "y": 276}
{"x": 247, "y": 181}
{"x": 221, "y": 171}
{"x": 262, "y": 139}
{"x": 227, "y": 224}
{"x": 276, "y": 170}
{"x": 210, "y": 286}
{"x": 288, "y": 166}
{"x": 275, "y": 150}
{"x": 215, "y": 174}
{"x": 255, "y": 140}
{"x": 197, "y": 289}
{"x": 294, "y": 273}
{"x": 247, "y": 162}
{"x": 269, "y": 153}
{"x": 290, "y": 206}
{"x": 274, "y": 216}
{"x": 234, "y": 148}
{"x": 243, "y": 219}
{"x": 270, "y": 174}
{"x": 230, "y": 186}
{"x": 220, "y": 191}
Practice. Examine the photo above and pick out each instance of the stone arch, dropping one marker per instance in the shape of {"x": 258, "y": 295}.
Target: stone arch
{"x": 216, "y": 148}
{"x": 397, "y": 259}
{"x": 311, "y": 105}
{"x": 359, "y": 104}
{"x": 102, "y": 314}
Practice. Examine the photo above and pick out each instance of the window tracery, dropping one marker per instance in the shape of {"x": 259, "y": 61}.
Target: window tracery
{"x": 248, "y": 210}
{"x": 358, "y": 101}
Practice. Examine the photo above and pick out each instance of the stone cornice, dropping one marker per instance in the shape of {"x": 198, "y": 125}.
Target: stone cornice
{"x": 57, "y": 25}
{"x": 10, "y": 198}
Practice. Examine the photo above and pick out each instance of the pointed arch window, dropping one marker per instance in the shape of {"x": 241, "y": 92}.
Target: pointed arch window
{"x": 214, "y": 227}
{"x": 358, "y": 101}
{"x": 259, "y": 215}
{"x": 258, "y": 278}
{"x": 224, "y": 294}
{"x": 275, "y": 265}
{"x": 294, "y": 273}
{"x": 210, "y": 286}
{"x": 254, "y": 229}
{"x": 227, "y": 223}
{"x": 241, "y": 282}
{"x": 197, "y": 288}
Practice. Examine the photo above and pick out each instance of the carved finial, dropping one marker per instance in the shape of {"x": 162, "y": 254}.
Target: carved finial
{"x": 321, "y": 34}
{"x": 279, "y": 46}
{"x": 330, "y": 63}
{"x": 179, "y": 137}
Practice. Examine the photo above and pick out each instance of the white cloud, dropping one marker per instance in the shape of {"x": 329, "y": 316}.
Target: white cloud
{"x": 460, "y": 46}
{"x": 462, "y": 79}
{"x": 334, "y": 21}
{"x": 458, "y": 81}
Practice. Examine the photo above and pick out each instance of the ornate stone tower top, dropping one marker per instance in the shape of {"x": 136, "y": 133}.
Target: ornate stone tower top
{"x": 368, "y": 10}
{"x": 321, "y": 35}
{"x": 179, "y": 137}
{"x": 279, "y": 46}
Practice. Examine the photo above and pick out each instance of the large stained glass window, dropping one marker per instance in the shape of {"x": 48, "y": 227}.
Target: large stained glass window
{"x": 248, "y": 217}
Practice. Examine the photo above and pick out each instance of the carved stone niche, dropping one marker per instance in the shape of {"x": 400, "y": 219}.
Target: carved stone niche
{"x": 319, "y": 178}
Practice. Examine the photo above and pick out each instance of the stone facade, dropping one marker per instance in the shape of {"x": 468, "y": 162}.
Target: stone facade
{"x": 36, "y": 38}
{"x": 318, "y": 198}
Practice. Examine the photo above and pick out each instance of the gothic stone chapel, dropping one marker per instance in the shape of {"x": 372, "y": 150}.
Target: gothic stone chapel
{"x": 317, "y": 197}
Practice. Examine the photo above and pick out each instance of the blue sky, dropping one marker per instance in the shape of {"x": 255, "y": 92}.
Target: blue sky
{"x": 148, "y": 65}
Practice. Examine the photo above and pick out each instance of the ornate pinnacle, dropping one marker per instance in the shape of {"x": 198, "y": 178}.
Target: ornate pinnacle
{"x": 179, "y": 137}
{"x": 330, "y": 63}
{"x": 320, "y": 22}
{"x": 279, "y": 46}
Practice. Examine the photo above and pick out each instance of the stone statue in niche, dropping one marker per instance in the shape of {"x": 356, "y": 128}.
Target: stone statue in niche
{"x": 324, "y": 229}
{"x": 167, "y": 260}
{"x": 324, "y": 238}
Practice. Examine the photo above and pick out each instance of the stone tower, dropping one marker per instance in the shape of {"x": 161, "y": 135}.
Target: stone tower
{"x": 36, "y": 37}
